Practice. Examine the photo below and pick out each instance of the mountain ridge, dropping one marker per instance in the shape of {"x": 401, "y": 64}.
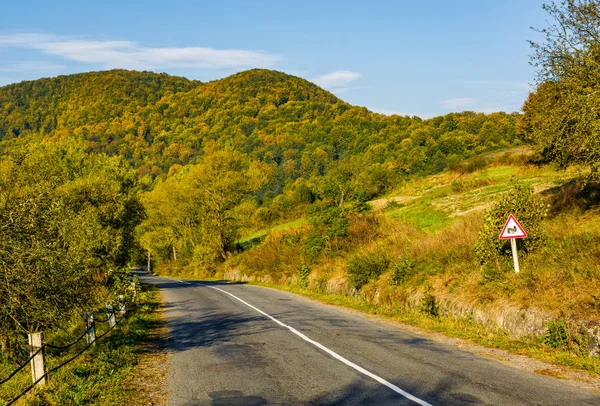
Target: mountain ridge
{"x": 156, "y": 121}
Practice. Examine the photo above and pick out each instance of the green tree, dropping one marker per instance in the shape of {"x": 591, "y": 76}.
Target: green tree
{"x": 201, "y": 208}
{"x": 67, "y": 222}
{"x": 561, "y": 117}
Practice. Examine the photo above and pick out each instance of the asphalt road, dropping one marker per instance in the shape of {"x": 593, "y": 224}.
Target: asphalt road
{"x": 235, "y": 344}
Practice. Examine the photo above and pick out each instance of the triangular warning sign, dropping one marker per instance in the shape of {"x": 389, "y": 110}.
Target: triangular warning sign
{"x": 512, "y": 229}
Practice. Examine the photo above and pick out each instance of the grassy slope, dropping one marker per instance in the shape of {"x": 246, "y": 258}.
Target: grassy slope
{"x": 436, "y": 202}
{"x": 106, "y": 373}
{"x": 435, "y": 222}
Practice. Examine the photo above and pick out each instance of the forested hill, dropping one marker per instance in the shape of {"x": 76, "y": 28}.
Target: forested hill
{"x": 160, "y": 122}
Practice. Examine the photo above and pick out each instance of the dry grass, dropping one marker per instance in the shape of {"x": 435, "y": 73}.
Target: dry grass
{"x": 279, "y": 256}
{"x": 462, "y": 234}
{"x": 148, "y": 379}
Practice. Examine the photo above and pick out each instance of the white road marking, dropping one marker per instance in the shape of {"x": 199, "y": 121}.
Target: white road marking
{"x": 332, "y": 353}
{"x": 187, "y": 283}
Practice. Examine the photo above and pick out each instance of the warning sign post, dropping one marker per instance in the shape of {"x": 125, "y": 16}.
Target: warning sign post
{"x": 511, "y": 231}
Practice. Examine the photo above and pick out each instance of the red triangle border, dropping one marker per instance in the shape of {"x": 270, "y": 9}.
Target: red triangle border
{"x": 506, "y": 225}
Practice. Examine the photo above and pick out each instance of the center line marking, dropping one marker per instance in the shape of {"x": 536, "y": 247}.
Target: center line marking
{"x": 332, "y": 353}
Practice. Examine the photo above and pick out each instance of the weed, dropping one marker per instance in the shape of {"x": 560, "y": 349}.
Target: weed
{"x": 103, "y": 374}
{"x": 493, "y": 272}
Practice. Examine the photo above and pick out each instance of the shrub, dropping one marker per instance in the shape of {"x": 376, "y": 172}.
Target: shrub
{"x": 364, "y": 268}
{"x": 468, "y": 166}
{"x": 328, "y": 223}
{"x": 392, "y": 205}
{"x": 556, "y": 334}
{"x": 265, "y": 215}
{"x": 529, "y": 211}
{"x": 429, "y": 303}
{"x": 303, "y": 274}
{"x": 402, "y": 270}
{"x": 361, "y": 206}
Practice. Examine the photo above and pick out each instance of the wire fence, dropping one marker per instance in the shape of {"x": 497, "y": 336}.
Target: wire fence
{"x": 91, "y": 340}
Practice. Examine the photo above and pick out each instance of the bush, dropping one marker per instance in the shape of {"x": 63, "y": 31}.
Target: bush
{"x": 364, "y": 268}
{"x": 556, "y": 334}
{"x": 429, "y": 303}
{"x": 529, "y": 211}
{"x": 68, "y": 222}
{"x": 328, "y": 223}
{"x": 303, "y": 274}
{"x": 392, "y": 205}
{"x": 468, "y": 166}
{"x": 402, "y": 271}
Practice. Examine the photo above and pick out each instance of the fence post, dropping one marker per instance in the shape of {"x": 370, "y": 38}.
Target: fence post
{"x": 121, "y": 305}
{"x": 90, "y": 328}
{"x": 134, "y": 289}
{"x": 112, "y": 321}
{"x": 37, "y": 362}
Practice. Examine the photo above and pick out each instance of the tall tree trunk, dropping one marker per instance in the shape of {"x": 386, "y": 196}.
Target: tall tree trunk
{"x": 174, "y": 254}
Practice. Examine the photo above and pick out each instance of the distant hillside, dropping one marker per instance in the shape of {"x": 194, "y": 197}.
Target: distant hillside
{"x": 159, "y": 122}
{"x": 68, "y": 102}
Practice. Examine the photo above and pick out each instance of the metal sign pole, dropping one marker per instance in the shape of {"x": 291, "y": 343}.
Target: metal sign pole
{"x": 513, "y": 244}
{"x": 511, "y": 231}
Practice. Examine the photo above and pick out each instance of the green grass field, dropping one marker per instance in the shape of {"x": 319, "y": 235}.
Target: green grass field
{"x": 437, "y": 201}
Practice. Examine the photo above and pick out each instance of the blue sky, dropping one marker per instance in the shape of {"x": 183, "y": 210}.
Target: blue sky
{"x": 421, "y": 58}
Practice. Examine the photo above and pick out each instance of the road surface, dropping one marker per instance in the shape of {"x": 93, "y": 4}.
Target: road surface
{"x": 236, "y": 344}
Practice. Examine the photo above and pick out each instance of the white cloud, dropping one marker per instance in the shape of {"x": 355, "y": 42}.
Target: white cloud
{"x": 458, "y": 103}
{"x": 130, "y": 55}
{"x": 24, "y": 39}
{"x": 32, "y": 67}
{"x": 336, "y": 80}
